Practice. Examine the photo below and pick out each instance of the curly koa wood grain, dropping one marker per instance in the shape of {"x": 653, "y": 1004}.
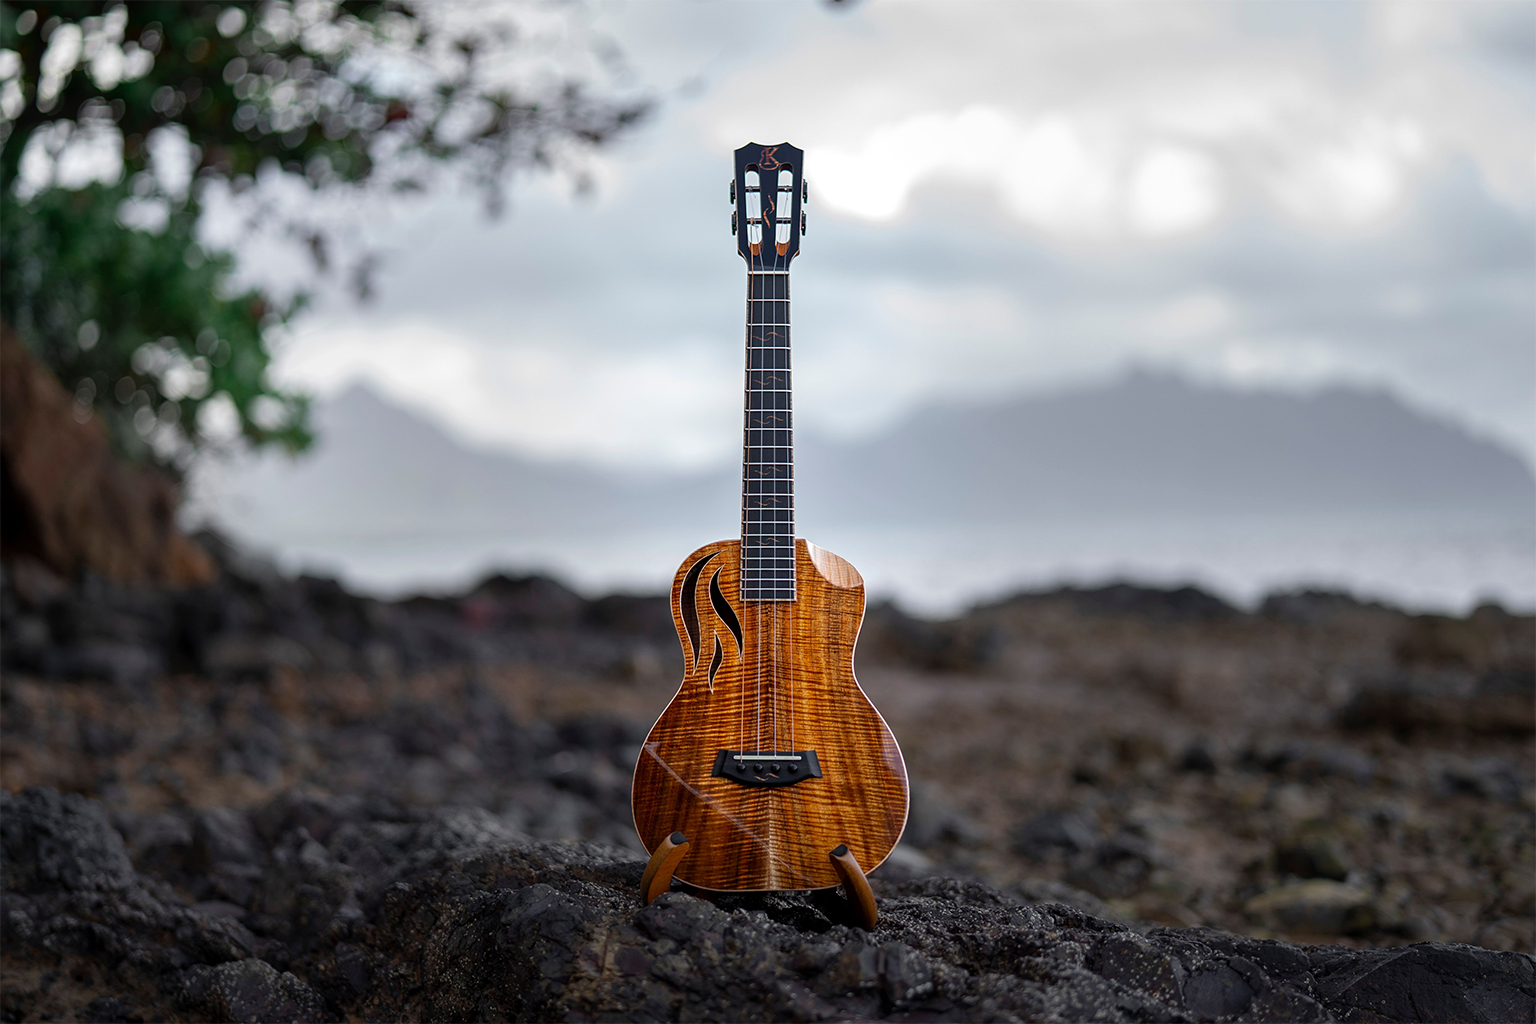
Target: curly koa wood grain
{"x": 786, "y": 685}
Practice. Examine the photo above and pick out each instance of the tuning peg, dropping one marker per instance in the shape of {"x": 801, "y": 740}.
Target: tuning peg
{"x": 805, "y": 191}
{"x": 733, "y": 222}
{"x": 802, "y": 220}
{"x": 733, "y": 190}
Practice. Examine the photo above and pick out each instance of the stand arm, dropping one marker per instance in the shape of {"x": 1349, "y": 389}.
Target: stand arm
{"x": 861, "y": 901}
{"x": 658, "y": 873}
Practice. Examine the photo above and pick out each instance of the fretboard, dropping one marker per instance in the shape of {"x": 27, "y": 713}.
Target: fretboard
{"x": 768, "y": 447}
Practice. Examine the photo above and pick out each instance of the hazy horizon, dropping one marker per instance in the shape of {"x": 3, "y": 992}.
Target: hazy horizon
{"x": 393, "y": 502}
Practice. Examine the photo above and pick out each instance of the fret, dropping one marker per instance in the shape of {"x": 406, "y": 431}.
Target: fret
{"x": 768, "y": 401}
{"x": 767, "y": 273}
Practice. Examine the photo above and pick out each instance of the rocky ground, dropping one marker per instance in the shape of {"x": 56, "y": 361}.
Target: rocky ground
{"x": 286, "y": 801}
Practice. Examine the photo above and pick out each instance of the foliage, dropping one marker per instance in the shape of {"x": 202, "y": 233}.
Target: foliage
{"x": 137, "y": 324}
{"x": 137, "y": 316}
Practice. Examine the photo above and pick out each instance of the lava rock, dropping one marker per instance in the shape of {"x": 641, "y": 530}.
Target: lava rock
{"x": 1056, "y": 831}
{"x": 1318, "y": 906}
{"x": 55, "y": 841}
{"x": 1431, "y": 981}
{"x": 1313, "y": 851}
{"x": 933, "y": 818}
{"x": 1199, "y": 756}
{"x": 1499, "y": 701}
{"x": 249, "y": 990}
{"x": 451, "y": 915}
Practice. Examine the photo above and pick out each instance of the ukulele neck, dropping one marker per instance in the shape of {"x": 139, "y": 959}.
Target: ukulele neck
{"x": 768, "y": 446}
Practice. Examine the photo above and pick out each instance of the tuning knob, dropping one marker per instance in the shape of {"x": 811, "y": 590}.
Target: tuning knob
{"x": 805, "y": 191}
{"x": 802, "y": 220}
{"x": 733, "y": 190}
{"x": 733, "y": 222}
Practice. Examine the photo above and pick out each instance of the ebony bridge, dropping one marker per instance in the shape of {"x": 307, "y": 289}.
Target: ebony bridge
{"x": 763, "y": 768}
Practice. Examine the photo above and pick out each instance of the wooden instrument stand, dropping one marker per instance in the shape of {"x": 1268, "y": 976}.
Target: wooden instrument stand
{"x": 860, "y": 899}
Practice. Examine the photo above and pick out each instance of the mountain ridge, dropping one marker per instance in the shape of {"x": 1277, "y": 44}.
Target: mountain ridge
{"x": 1141, "y": 445}
{"x": 1157, "y": 443}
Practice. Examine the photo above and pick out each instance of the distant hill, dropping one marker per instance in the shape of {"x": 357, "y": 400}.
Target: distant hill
{"x": 1151, "y": 443}
{"x": 381, "y": 472}
{"x": 1142, "y": 445}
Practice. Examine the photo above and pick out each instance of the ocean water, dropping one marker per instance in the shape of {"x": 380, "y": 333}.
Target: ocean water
{"x": 1421, "y": 562}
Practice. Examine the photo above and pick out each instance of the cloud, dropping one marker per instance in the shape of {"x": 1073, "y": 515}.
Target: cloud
{"x": 1104, "y": 122}
{"x": 1003, "y": 197}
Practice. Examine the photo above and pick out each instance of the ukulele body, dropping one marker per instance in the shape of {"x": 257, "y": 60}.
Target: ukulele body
{"x": 763, "y": 678}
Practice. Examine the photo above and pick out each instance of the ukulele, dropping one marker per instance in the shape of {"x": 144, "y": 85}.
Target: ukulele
{"x": 770, "y": 769}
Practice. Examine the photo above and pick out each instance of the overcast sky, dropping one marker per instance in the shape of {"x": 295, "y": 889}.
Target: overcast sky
{"x": 1005, "y": 197}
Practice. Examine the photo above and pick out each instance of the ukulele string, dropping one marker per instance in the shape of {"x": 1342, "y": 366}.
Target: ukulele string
{"x": 778, "y": 318}
{"x": 789, "y": 472}
{"x": 747, "y": 539}
{"x": 784, "y": 499}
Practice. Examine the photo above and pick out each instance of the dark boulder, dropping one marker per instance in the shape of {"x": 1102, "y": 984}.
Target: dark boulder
{"x": 1498, "y": 701}
{"x": 450, "y": 915}
{"x": 60, "y": 842}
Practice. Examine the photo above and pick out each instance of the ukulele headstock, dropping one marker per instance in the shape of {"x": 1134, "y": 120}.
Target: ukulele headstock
{"x": 769, "y": 193}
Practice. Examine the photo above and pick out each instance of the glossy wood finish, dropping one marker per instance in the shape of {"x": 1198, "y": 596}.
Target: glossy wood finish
{"x": 861, "y": 900}
{"x": 789, "y": 686}
{"x": 657, "y": 877}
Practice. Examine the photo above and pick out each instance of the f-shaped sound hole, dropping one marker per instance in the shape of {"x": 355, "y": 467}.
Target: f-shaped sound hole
{"x": 689, "y": 606}
{"x": 724, "y": 610}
